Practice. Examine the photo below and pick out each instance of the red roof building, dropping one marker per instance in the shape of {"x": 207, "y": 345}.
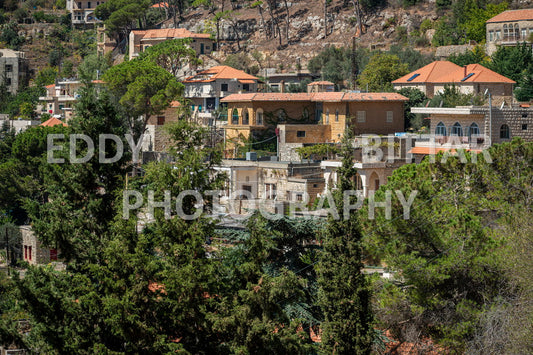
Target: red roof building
{"x": 508, "y": 29}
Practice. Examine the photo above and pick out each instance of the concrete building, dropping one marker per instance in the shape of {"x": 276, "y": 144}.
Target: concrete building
{"x": 17, "y": 125}
{"x": 508, "y": 29}
{"x": 471, "y": 79}
{"x": 282, "y": 81}
{"x": 83, "y": 12}
{"x": 206, "y": 88}
{"x": 13, "y": 69}
{"x": 61, "y": 98}
{"x": 139, "y": 40}
{"x": 270, "y": 185}
{"x": 323, "y": 116}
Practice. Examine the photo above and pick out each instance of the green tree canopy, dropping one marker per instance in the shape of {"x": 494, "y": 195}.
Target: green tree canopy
{"x": 381, "y": 70}
{"x": 172, "y": 55}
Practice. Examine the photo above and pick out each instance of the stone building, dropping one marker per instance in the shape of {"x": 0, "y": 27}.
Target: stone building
{"x": 474, "y": 128}
{"x": 13, "y": 69}
{"x": 508, "y": 29}
{"x": 33, "y": 251}
{"x": 471, "y": 79}
{"x": 323, "y": 116}
{"x": 139, "y": 40}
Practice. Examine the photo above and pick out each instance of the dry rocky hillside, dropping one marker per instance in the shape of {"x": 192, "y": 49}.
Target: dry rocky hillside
{"x": 307, "y": 35}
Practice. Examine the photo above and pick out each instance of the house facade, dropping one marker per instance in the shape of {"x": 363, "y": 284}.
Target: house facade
{"x": 83, "y": 12}
{"x": 206, "y": 88}
{"x": 61, "y": 98}
{"x": 508, "y": 29}
{"x": 33, "y": 251}
{"x": 139, "y": 40}
{"x": 323, "y": 116}
{"x": 471, "y": 79}
{"x": 474, "y": 128}
{"x": 13, "y": 69}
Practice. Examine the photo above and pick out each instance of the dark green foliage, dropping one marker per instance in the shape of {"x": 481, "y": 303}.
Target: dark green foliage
{"x": 447, "y": 254}
{"x": 452, "y": 96}
{"x": 416, "y": 99}
{"x": 335, "y": 64}
{"x": 344, "y": 293}
{"x": 446, "y": 33}
{"x": 475, "y": 56}
{"x": 525, "y": 91}
{"x": 9, "y": 35}
{"x": 413, "y": 58}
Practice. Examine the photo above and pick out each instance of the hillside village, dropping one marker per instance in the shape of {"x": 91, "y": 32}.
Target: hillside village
{"x": 270, "y": 112}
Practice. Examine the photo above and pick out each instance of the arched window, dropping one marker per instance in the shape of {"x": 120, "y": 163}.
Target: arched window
{"x": 327, "y": 116}
{"x": 246, "y": 117}
{"x": 259, "y": 117}
{"x": 336, "y": 115}
{"x": 516, "y": 32}
{"x": 440, "y": 130}
{"x": 305, "y": 113}
{"x": 457, "y": 129}
{"x": 235, "y": 117}
{"x": 474, "y": 130}
{"x": 504, "y": 131}
{"x": 505, "y": 33}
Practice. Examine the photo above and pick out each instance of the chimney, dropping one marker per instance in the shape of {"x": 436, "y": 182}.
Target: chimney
{"x": 464, "y": 76}
{"x": 282, "y": 86}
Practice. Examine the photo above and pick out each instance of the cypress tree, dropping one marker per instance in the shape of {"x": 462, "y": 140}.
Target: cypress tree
{"x": 344, "y": 294}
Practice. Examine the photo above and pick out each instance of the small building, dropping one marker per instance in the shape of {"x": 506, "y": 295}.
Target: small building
{"x": 61, "y": 98}
{"x": 139, "y": 40}
{"x": 270, "y": 185}
{"x": 508, "y": 29}
{"x": 13, "y": 69}
{"x": 471, "y": 79}
{"x": 82, "y": 12}
{"x": 321, "y": 86}
{"x": 282, "y": 81}
{"x": 443, "y": 52}
{"x": 32, "y": 249}
{"x": 17, "y": 125}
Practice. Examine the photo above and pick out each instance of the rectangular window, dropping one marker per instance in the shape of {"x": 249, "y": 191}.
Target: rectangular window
{"x": 524, "y": 115}
{"x": 523, "y": 34}
{"x": 79, "y": 6}
{"x": 491, "y": 36}
{"x": 498, "y": 35}
{"x": 524, "y": 127}
{"x": 25, "y": 252}
{"x": 300, "y": 134}
{"x": 224, "y": 87}
{"x": 89, "y": 5}
{"x": 246, "y": 87}
{"x": 9, "y": 68}
{"x": 259, "y": 119}
{"x": 361, "y": 116}
{"x": 270, "y": 191}
{"x": 8, "y": 81}
{"x": 389, "y": 116}
{"x": 29, "y": 252}
{"x": 160, "y": 120}
{"x": 247, "y": 188}
{"x": 299, "y": 197}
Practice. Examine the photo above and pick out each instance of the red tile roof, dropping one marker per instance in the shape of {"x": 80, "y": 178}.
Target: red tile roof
{"x": 512, "y": 15}
{"x": 50, "y": 86}
{"x": 428, "y": 73}
{"x": 53, "y": 122}
{"x": 480, "y": 75}
{"x": 448, "y": 72}
{"x": 317, "y": 97}
{"x": 175, "y": 104}
{"x": 160, "y": 5}
{"x": 220, "y": 72}
{"x": 170, "y": 33}
{"x": 374, "y": 96}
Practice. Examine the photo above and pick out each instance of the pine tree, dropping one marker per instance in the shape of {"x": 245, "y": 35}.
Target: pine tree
{"x": 344, "y": 294}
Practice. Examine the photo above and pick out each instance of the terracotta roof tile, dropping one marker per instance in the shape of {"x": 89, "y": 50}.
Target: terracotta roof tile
{"x": 374, "y": 96}
{"x": 53, "y": 122}
{"x": 220, "y": 72}
{"x": 160, "y": 5}
{"x": 428, "y": 73}
{"x": 170, "y": 33}
{"x": 327, "y": 96}
{"x": 513, "y": 15}
{"x": 480, "y": 75}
